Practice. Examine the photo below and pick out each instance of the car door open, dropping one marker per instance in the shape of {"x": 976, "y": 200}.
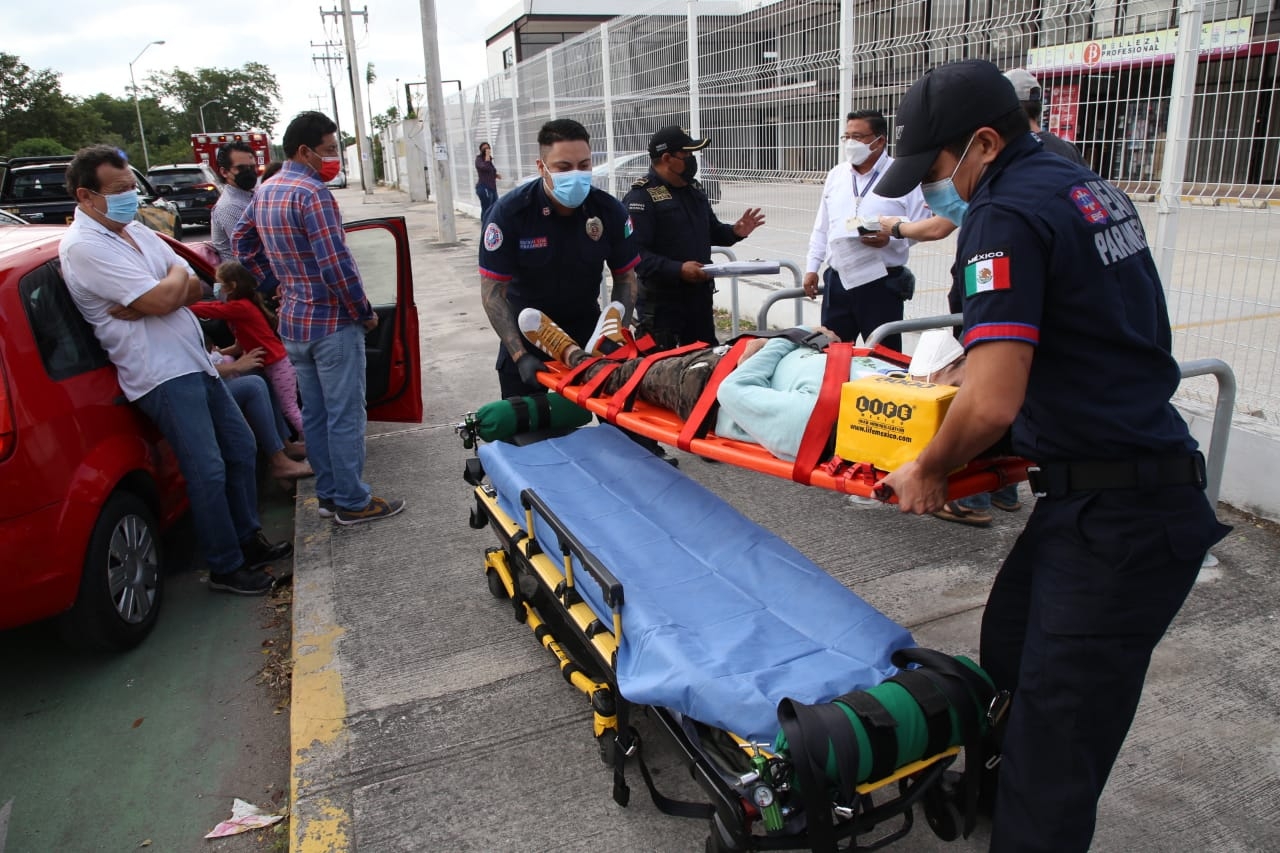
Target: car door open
{"x": 393, "y": 384}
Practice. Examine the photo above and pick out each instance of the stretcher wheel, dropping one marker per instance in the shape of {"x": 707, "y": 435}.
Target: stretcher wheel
{"x": 941, "y": 813}
{"x": 496, "y": 587}
{"x": 604, "y": 743}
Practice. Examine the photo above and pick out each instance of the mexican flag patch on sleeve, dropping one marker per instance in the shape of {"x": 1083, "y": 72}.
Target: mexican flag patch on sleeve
{"x": 986, "y": 271}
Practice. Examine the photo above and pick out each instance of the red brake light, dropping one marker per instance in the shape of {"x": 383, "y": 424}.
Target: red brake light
{"x": 8, "y": 430}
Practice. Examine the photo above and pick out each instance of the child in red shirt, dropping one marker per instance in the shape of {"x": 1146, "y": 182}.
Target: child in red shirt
{"x": 253, "y": 324}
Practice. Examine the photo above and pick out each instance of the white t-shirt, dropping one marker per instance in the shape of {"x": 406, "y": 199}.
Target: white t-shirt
{"x": 847, "y": 196}
{"x": 102, "y": 270}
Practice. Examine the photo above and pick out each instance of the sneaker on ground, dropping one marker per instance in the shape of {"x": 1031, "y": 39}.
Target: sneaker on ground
{"x": 544, "y": 334}
{"x": 258, "y": 552}
{"x": 327, "y": 508}
{"x": 607, "y": 335}
{"x": 243, "y": 581}
{"x": 378, "y": 508}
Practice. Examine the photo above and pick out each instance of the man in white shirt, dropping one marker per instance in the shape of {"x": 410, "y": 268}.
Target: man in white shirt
{"x": 133, "y": 289}
{"x": 867, "y": 279}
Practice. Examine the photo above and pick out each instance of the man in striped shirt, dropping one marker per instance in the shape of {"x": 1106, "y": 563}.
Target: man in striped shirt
{"x": 293, "y": 229}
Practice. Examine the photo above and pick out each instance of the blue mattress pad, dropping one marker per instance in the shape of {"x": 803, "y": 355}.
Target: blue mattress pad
{"x": 722, "y": 619}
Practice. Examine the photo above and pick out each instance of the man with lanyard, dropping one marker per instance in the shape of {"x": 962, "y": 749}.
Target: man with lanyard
{"x": 294, "y": 226}
{"x": 1068, "y": 341}
{"x": 867, "y": 279}
{"x": 134, "y": 291}
{"x": 545, "y": 246}
{"x": 675, "y": 230}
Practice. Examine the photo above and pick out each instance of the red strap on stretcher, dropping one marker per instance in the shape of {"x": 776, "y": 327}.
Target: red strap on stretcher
{"x": 818, "y": 431}
{"x": 570, "y": 376}
{"x": 630, "y": 349}
{"x": 625, "y": 396}
{"x": 699, "y": 421}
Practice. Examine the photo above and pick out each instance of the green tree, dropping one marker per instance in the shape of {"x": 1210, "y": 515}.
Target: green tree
{"x": 33, "y": 105}
{"x": 38, "y": 146}
{"x": 247, "y": 97}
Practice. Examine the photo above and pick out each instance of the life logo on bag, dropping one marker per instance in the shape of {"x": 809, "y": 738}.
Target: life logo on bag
{"x": 492, "y": 237}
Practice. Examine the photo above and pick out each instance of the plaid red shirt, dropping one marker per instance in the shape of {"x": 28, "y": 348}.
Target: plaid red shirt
{"x": 292, "y": 228}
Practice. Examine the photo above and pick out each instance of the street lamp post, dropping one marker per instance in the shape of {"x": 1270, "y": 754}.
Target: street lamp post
{"x": 137, "y": 109}
{"x": 202, "y": 106}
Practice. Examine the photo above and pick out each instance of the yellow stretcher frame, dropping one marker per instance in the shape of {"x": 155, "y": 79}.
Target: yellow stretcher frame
{"x": 559, "y": 619}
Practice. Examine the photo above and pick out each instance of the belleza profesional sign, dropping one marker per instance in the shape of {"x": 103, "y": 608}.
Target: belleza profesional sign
{"x": 1216, "y": 38}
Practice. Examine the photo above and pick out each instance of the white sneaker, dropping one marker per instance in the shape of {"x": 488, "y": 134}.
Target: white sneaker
{"x": 608, "y": 330}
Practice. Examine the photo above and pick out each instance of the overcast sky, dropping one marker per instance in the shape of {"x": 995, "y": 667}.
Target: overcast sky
{"x": 91, "y": 44}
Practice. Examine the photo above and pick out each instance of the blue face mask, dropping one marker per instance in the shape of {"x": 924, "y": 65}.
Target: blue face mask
{"x": 570, "y": 188}
{"x": 942, "y": 196}
{"x": 121, "y": 207}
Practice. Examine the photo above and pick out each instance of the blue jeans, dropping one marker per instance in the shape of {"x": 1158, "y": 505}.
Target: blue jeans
{"x": 217, "y": 456}
{"x": 488, "y": 197}
{"x": 331, "y": 381}
{"x": 254, "y": 398}
{"x": 982, "y": 502}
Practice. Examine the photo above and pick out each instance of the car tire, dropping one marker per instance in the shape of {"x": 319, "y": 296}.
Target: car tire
{"x": 177, "y": 226}
{"x": 122, "y": 582}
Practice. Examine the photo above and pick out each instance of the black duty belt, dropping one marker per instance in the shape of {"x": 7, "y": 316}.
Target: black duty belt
{"x": 894, "y": 270}
{"x": 1056, "y": 479}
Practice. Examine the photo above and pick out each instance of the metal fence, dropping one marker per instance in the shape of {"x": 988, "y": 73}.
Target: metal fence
{"x": 1188, "y": 128}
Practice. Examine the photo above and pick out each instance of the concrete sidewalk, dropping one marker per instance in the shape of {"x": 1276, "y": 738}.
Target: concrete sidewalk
{"x": 426, "y": 719}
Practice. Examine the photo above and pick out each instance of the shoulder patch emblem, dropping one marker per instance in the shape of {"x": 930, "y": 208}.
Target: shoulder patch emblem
{"x": 1089, "y": 206}
{"x": 492, "y": 237}
{"x": 660, "y": 193}
{"x": 595, "y": 228}
{"x": 986, "y": 272}
{"x": 628, "y": 229}
{"x": 641, "y": 182}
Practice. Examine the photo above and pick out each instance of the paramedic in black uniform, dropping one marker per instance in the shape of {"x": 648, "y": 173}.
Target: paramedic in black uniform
{"x": 675, "y": 230}
{"x": 545, "y": 245}
{"x": 1068, "y": 342}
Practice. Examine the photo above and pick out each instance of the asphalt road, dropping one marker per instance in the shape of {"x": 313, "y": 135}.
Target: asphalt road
{"x": 147, "y": 749}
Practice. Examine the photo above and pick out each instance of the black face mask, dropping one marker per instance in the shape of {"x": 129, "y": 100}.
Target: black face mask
{"x": 246, "y": 179}
{"x": 690, "y": 168}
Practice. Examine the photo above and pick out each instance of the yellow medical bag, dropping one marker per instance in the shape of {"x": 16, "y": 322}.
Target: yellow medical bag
{"x": 887, "y": 420}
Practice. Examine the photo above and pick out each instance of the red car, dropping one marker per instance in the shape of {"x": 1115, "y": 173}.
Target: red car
{"x": 87, "y": 484}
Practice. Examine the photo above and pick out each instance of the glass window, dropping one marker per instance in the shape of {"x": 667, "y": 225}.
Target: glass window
{"x": 374, "y": 250}
{"x": 65, "y": 340}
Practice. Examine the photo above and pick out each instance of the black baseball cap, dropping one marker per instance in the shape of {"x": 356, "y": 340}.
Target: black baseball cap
{"x": 674, "y": 138}
{"x": 945, "y": 104}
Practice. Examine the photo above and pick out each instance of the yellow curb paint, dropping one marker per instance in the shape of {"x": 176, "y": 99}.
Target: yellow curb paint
{"x": 316, "y": 721}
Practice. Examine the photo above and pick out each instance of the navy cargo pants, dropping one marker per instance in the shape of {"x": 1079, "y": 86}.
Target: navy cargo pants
{"x": 1088, "y": 590}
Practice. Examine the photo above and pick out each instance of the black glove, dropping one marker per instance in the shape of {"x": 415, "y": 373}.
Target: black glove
{"x": 530, "y": 366}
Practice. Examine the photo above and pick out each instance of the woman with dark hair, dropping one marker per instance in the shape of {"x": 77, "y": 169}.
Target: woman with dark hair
{"x": 486, "y": 179}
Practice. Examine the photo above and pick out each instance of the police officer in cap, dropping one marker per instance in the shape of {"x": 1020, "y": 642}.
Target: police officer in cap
{"x": 1068, "y": 343}
{"x": 545, "y": 246}
{"x": 675, "y": 230}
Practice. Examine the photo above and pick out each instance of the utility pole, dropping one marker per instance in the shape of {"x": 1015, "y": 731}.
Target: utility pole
{"x": 357, "y": 100}
{"x": 327, "y": 58}
{"x": 438, "y": 152}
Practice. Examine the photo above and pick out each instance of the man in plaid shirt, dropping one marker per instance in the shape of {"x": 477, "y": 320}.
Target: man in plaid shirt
{"x": 293, "y": 229}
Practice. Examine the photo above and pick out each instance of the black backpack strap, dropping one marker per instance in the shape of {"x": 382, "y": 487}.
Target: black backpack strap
{"x": 933, "y": 704}
{"x": 801, "y": 729}
{"x": 881, "y": 729}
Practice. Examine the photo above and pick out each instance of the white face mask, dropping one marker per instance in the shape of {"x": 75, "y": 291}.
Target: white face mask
{"x": 857, "y": 152}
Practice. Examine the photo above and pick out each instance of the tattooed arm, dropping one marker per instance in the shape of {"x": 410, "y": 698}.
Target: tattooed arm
{"x": 625, "y": 289}
{"x": 493, "y": 295}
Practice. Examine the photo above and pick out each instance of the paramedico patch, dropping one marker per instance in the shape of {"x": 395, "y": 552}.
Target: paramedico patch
{"x": 660, "y": 193}
{"x": 492, "y": 237}
{"x": 1089, "y": 206}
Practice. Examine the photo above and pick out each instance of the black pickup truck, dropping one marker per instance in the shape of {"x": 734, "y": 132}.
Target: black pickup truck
{"x": 34, "y": 188}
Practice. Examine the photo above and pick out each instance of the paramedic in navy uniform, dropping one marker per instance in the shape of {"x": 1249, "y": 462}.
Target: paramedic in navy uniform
{"x": 545, "y": 246}
{"x": 675, "y": 230}
{"x": 1068, "y": 341}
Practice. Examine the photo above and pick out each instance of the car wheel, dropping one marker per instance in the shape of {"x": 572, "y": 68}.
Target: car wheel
{"x": 177, "y": 226}
{"x": 122, "y": 584}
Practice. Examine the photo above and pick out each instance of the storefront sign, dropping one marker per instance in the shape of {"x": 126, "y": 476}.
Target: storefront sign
{"x": 1216, "y": 38}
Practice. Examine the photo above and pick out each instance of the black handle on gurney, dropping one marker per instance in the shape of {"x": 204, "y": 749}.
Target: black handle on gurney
{"x": 609, "y": 585}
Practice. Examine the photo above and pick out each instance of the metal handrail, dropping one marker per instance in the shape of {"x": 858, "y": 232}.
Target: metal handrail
{"x": 733, "y": 289}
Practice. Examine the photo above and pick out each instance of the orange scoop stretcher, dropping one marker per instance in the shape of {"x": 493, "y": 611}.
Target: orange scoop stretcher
{"x": 815, "y": 464}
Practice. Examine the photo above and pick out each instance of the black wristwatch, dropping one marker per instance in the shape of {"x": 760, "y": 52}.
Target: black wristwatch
{"x": 896, "y": 230}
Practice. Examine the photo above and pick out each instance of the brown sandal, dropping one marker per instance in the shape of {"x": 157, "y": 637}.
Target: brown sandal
{"x": 955, "y": 511}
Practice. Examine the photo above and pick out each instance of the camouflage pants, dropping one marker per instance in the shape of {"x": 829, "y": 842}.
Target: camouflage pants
{"x": 673, "y": 383}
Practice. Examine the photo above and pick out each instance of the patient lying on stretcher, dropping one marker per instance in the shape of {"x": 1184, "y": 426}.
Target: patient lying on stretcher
{"x": 767, "y": 399}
